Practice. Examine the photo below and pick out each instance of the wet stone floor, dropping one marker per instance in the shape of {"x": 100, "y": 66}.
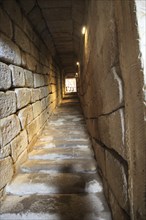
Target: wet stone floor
{"x": 59, "y": 181}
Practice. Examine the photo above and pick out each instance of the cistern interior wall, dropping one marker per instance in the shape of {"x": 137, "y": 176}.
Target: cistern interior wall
{"x": 40, "y": 43}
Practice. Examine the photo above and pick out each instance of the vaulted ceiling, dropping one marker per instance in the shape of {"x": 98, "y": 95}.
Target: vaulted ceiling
{"x": 59, "y": 23}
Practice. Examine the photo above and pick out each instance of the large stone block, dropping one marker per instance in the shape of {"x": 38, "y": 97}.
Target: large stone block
{"x": 26, "y": 116}
{"x": 7, "y": 103}
{"x": 6, "y": 171}
{"x": 44, "y": 92}
{"x": 37, "y": 108}
{"x": 111, "y": 89}
{"x": 13, "y": 11}
{"x": 21, "y": 39}
{"x": 9, "y": 52}
{"x": 117, "y": 179}
{"x": 112, "y": 131}
{"x": 33, "y": 128}
{"x": 100, "y": 157}
{"x": 18, "y": 78}
{"x": 117, "y": 211}
{"x": 38, "y": 80}
{"x": 9, "y": 128}
{"x": 23, "y": 97}
{"x": 35, "y": 95}
{"x": 18, "y": 145}
{"x": 5, "y": 151}
{"x": 43, "y": 104}
{"x": 5, "y": 24}
{"x": 5, "y": 76}
{"x": 31, "y": 63}
{"x": 28, "y": 78}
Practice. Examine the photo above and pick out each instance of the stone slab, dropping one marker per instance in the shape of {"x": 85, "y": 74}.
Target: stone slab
{"x": 28, "y": 78}
{"x": 26, "y": 116}
{"x": 5, "y": 76}
{"x": 9, "y": 128}
{"x": 63, "y": 166}
{"x": 53, "y": 207}
{"x": 23, "y": 97}
{"x": 18, "y": 78}
{"x": 7, "y": 103}
{"x": 6, "y": 171}
{"x": 29, "y": 184}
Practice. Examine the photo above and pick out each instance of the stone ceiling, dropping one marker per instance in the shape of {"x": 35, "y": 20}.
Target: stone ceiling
{"x": 59, "y": 23}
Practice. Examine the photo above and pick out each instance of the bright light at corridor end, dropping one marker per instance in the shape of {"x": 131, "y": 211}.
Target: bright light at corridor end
{"x": 83, "y": 30}
{"x": 77, "y": 63}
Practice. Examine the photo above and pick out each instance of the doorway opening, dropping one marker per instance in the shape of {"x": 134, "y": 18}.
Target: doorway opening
{"x": 70, "y": 85}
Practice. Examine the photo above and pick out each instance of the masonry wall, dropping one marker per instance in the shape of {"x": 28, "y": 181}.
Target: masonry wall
{"x": 111, "y": 92}
{"x": 29, "y": 88}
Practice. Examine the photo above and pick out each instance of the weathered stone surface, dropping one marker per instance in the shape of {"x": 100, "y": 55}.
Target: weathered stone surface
{"x": 5, "y": 24}
{"x": 119, "y": 183}
{"x": 43, "y": 104}
{"x": 112, "y": 131}
{"x": 31, "y": 63}
{"x": 18, "y": 145}
{"x": 18, "y": 78}
{"x": 26, "y": 116}
{"x": 23, "y": 97}
{"x": 27, "y": 6}
{"x": 9, "y": 128}
{"x": 43, "y": 118}
{"x": 35, "y": 95}
{"x": 5, "y": 76}
{"x": 9, "y": 51}
{"x": 44, "y": 92}
{"x": 6, "y": 171}
{"x": 37, "y": 108}
{"x": 100, "y": 156}
{"x": 21, "y": 159}
{"x": 28, "y": 78}
{"x": 21, "y": 39}
{"x": 5, "y": 151}
{"x": 7, "y": 103}
{"x": 33, "y": 128}
{"x": 117, "y": 211}
{"x": 111, "y": 91}
{"x": 38, "y": 80}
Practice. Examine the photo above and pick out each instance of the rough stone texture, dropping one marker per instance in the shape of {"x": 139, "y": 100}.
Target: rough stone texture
{"x": 18, "y": 78}
{"x": 43, "y": 103}
{"x": 44, "y": 92}
{"x": 119, "y": 184}
{"x": 9, "y": 128}
{"x": 31, "y": 63}
{"x": 5, "y": 24}
{"x": 35, "y": 95}
{"x": 26, "y": 116}
{"x": 5, "y": 151}
{"x": 6, "y": 171}
{"x": 21, "y": 39}
{"x": 113, "y": 99}
{"x": 18, "y": 145}
{"x": 117, "y": 211}
{"x": 112, "y": 131}
{"x": 33, "y": 128}
{"x": 38, "y": 80}
{"x": 37, "y": 108}
{"x": 100, "y": 157}
{"x": 23, "y": 97}
{"x": 5, "y": 76}
{"x": 28, "y": 78}
{"x": 9, "y": 51}
{"x": 7, "y": 103}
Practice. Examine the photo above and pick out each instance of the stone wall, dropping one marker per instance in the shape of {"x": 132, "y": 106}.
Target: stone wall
{"x": 111, "y": 92}
{"x": 29, "y": 88}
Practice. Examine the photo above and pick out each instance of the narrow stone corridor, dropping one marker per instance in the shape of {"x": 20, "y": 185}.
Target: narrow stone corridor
{"x": 59, "y": 181}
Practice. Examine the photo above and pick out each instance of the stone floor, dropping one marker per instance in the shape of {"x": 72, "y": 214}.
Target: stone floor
{"x": 59, "y": 181}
